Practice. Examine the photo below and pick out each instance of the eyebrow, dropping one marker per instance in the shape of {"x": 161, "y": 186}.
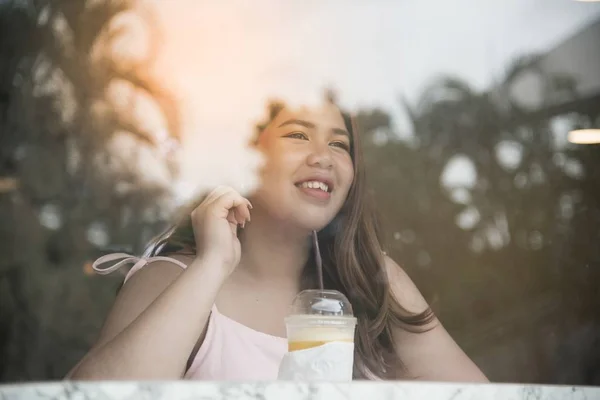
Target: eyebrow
{"x": 310, "y": 125}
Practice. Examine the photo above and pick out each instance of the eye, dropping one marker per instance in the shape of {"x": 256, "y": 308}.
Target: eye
{"x": 297, "y": 135}
{"x": 341, "y": 145}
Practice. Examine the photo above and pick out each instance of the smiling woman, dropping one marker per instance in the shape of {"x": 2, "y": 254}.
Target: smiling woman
{"x": 212, "y": 302}
{"x": 309, "y": 147}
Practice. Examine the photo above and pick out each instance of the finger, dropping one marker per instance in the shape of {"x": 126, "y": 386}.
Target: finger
{"x": 243, "y": 213}
{"x": 213, "y": 197}
{"x": 231, "y": 217}
{"x": 233, "y": 225}
{"x": 216, "y": 193}
{"x": 209, "y": 199}
{"x": 227, "y": 201}
{"x": 234, "y": 217}
{"x": 223, "y": 190}
{"x": 239, "y": 217}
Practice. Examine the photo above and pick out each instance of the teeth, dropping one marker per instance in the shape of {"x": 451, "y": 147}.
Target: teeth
{"x": 315, "y": 185}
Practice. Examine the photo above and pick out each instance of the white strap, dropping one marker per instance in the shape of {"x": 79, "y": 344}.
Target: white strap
{"x": 128, "y": 259}
{"x": 125, "y": 259}
{"x": 168, "y": 259}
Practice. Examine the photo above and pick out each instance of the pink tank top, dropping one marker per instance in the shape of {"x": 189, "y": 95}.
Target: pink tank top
{"x": 230, "y": 351}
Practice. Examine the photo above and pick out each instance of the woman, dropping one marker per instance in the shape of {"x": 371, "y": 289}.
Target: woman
{"x": 215, "y": 308}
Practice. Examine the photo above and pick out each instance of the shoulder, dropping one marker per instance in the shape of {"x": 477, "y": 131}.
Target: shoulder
{"x": 138, "y": 292}
{"x": 159, "y": 269}
{"x": 403, "y": 288}
{"x": 145, "y": 282}
{"x": 429, "y": 353}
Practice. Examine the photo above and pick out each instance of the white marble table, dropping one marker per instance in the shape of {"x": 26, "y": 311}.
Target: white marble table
{"x": 291, "y": 391}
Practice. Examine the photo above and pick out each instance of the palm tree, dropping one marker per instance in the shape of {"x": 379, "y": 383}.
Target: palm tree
{"x": 57, "y": 120}
{"x": 512, "y": 265}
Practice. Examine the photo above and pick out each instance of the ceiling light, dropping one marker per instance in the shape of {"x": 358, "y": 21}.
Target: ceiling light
{"x": 585, "y": 136}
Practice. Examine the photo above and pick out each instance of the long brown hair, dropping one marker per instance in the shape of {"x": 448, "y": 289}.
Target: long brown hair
{"x": 353, "y": 263}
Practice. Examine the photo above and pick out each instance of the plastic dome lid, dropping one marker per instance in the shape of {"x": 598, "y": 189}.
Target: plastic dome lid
{"x": 321, "y": 302}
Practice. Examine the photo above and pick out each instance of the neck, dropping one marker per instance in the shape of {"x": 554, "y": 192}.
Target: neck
{"x": 272, "y": 250}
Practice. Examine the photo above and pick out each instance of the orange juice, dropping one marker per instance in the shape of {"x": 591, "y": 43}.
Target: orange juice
{"x": 303, "y": 333}
{"x": 308, "y": 344}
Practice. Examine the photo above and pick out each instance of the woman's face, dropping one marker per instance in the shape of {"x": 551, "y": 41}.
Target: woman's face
{"x": 308, "y": 170}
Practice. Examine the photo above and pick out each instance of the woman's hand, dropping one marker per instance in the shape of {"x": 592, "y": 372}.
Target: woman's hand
{"x": 215, "y": 223}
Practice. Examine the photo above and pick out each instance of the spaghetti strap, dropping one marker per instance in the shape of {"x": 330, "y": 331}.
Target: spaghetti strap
{"x": 122, "y": 259}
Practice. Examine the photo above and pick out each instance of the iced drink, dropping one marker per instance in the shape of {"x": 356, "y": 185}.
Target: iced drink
{"x": 318, "y": 317}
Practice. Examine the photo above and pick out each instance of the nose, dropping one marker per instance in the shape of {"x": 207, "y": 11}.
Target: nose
{"x": 320, "y": 156}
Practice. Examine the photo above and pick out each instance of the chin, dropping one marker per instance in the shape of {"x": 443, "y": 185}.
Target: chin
{"x": 311, "y": 223}
{"x": 300, "y": 216}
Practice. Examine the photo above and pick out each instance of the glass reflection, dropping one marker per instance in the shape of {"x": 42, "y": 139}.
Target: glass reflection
{"x": 116, "y": 119}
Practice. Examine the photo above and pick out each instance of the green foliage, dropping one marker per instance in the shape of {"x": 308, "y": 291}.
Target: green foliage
{"x": 53, "y": 141}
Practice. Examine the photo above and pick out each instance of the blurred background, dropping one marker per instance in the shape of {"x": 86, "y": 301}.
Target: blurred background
{"x": 465, "y": 108}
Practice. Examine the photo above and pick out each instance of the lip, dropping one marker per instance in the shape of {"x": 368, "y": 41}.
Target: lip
{"x": 316, "y": 194}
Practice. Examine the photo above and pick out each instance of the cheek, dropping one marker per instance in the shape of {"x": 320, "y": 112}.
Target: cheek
{"x": 276, "y": 168}
{"x": 283, "y": 159}
{"x": 271, "y": 163}
{"x": 346, "y": 174}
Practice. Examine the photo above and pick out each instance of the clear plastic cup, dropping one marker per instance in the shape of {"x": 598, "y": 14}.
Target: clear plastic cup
{"x": 318, "y": 317}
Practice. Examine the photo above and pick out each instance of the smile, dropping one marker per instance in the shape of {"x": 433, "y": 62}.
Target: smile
{"x": 316, "y": 189}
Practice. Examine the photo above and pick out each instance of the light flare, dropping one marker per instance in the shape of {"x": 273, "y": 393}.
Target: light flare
{"x": 219, "y": 64}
